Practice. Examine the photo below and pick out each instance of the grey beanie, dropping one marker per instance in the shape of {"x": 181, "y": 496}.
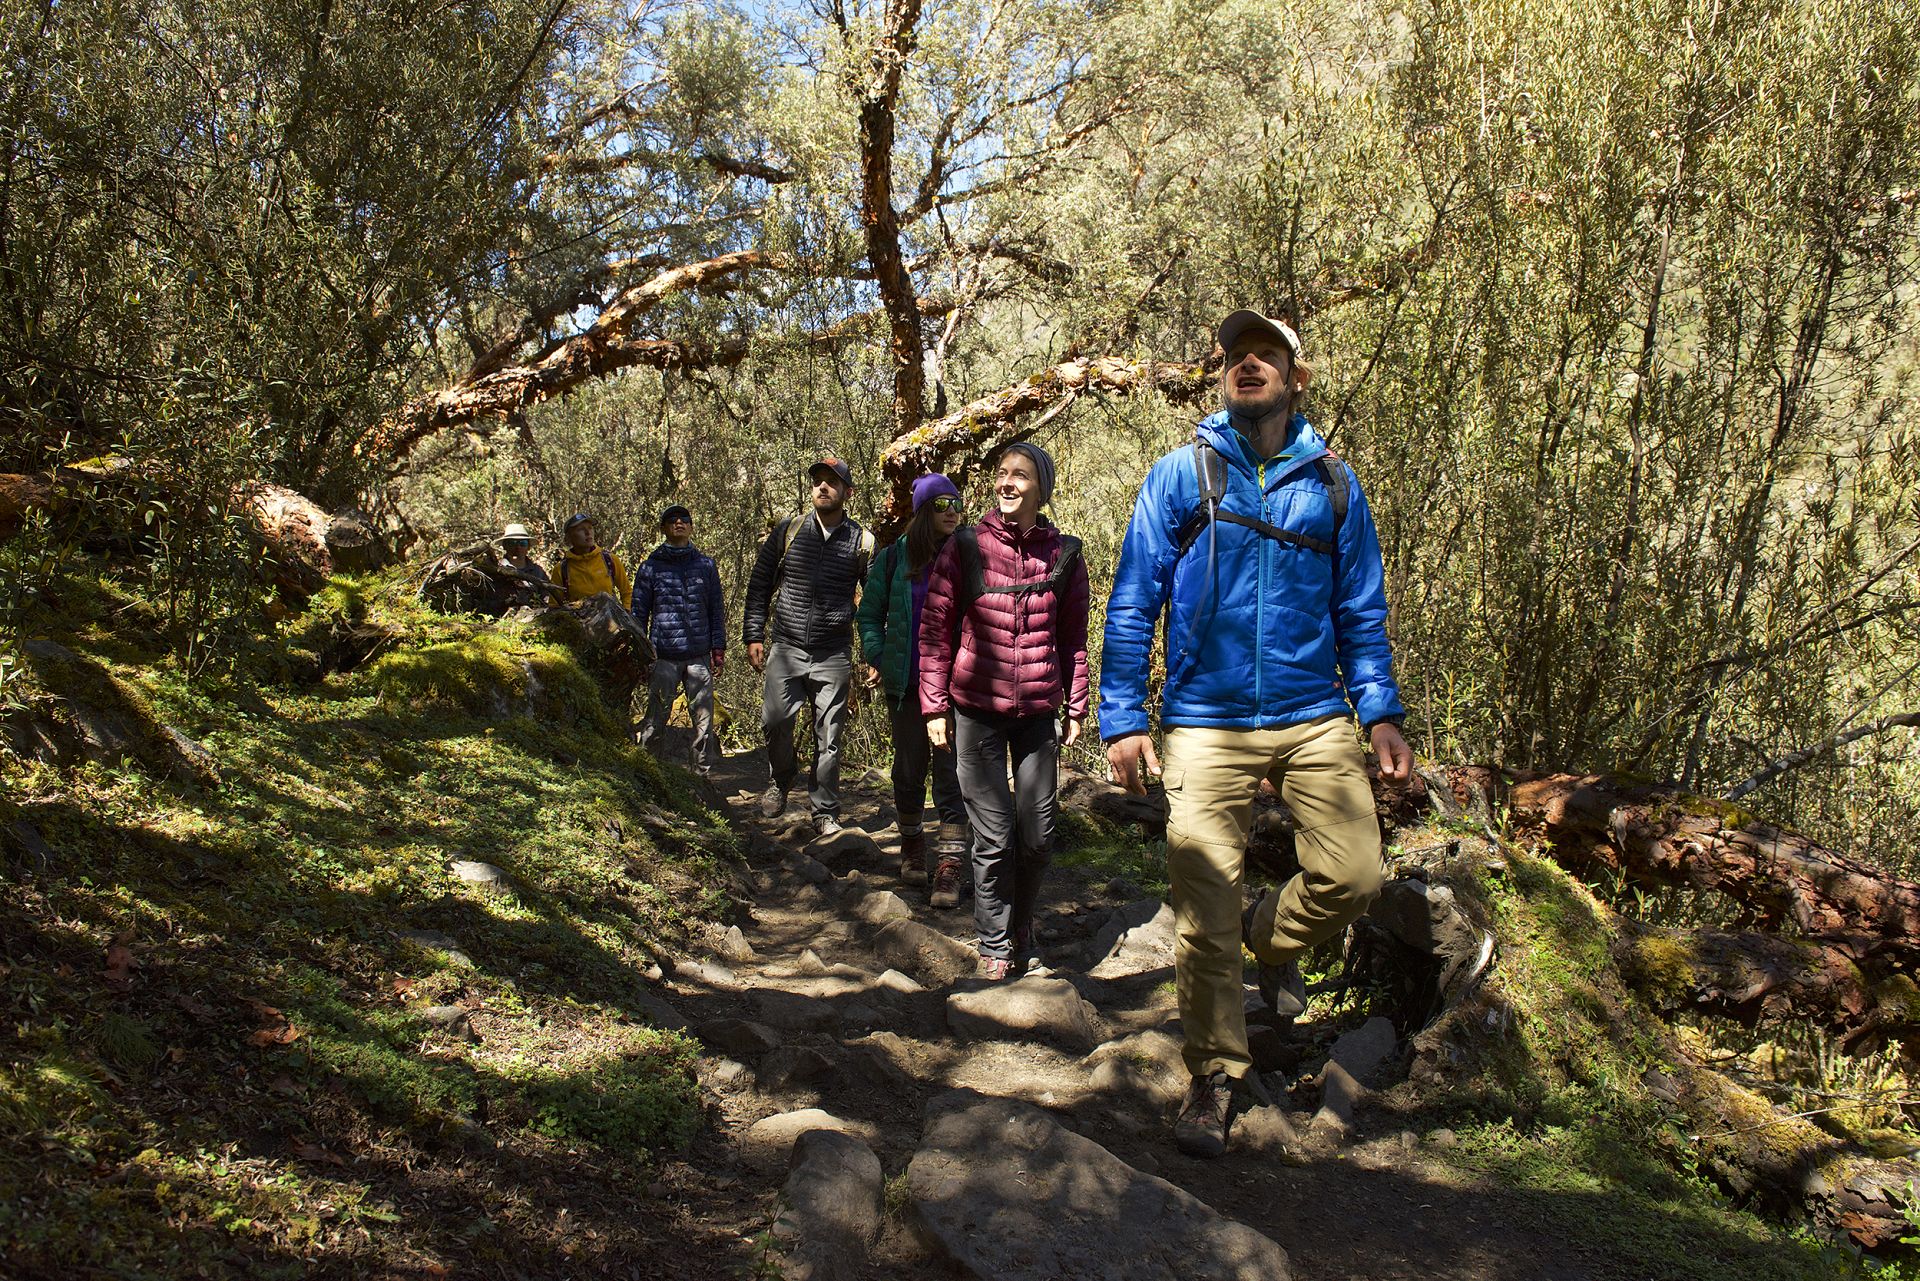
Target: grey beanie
{"x": 1042, "y": 466}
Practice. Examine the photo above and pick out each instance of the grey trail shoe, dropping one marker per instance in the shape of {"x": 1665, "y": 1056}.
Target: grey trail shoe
{"x": 773, "y": 801}
{"x": 1206, "y": 1116}
{"x": 825, "y": 824}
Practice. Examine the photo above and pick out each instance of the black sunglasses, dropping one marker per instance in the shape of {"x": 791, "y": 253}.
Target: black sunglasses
{"x": 944, "y": 503}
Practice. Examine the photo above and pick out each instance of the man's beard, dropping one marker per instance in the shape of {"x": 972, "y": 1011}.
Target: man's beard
{"x": 1260, "y": 408}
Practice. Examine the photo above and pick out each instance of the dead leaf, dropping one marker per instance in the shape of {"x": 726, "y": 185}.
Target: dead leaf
{"x": 314, "y": 1152}
{"x": 402, "y": 986}
{"x": 275, "y": 1029}
{"x": 119, "y": 971}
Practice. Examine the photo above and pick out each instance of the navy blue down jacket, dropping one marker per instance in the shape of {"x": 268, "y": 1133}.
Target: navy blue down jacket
{"x": 1260, "y": 633}
{"x": 677, "y": 598}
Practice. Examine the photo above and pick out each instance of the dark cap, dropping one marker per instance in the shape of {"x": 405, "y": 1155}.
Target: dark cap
{"x": 578, "y": 518}
{"x": 835, "y": 466}
{"x": 676, "y": 512}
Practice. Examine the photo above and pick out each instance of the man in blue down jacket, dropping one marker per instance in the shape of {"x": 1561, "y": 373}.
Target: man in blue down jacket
{"x": 1269, "y": 570}
{"x": 677, "y": 598}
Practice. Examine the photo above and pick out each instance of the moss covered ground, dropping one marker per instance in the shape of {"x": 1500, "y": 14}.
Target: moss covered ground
{"x": 216, "y": 1056}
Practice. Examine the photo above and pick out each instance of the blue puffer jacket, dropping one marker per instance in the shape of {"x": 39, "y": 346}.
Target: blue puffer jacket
{"x": 676, "y": 597}
{"x": 1267, "y": 634}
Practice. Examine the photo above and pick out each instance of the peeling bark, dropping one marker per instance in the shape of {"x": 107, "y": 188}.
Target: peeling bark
{"x": 966, "y": 438}
{"x": 606, "y": 346}
{"x": 1841, "y": 940}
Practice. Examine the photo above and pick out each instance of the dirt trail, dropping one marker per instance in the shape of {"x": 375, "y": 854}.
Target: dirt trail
{"x": 819, "y": 1016}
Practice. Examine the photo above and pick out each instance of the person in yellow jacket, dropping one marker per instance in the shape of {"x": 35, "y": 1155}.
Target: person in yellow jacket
{"x": 587, "y": 569}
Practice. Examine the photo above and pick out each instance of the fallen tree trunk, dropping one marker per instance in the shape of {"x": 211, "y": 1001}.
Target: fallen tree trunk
{"x": 1841, "y": 939}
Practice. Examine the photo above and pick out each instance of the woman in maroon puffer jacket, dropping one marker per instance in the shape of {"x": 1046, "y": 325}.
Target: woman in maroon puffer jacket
{"x": 1000, "y": 656}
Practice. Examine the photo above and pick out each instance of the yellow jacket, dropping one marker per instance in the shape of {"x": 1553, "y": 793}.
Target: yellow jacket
{"x": 587, "y": 573}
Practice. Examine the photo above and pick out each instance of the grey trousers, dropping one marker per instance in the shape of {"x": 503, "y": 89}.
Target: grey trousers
{"x": 663, "y": 682}
{"x": 798, "y": 679}
{"x": 1012, "y": 833}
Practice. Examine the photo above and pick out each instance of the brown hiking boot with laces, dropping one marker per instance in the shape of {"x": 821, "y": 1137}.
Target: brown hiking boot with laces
{"x": 946, "y": 883}
{"x": 913, "y": 857}
{"x": 1206, "y": 1115}
{"x": 950, "y": 852}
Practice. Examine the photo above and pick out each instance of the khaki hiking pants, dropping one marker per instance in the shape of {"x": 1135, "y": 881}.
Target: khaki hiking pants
{"x": 1211, "y": 777}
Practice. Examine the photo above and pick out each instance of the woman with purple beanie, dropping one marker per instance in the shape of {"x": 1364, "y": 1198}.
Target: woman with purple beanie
{"x": 889, "y": 621}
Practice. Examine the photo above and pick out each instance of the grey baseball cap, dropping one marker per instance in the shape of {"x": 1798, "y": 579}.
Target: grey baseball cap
{"x": 1239, "y": 322}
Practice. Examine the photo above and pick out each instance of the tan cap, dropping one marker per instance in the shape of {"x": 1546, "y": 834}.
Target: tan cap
{"x": 1240, "y": 321}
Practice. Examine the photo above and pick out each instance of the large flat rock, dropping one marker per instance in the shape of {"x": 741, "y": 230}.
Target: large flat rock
{"x": 768, "y": 1143}
{"x": 1137, "y": 939}
{"x": 924, "y": 952}
{"x": 1007, "y": 1194}
{"x": 834, "y": 1208}
{"x": 1036, "y": 1009}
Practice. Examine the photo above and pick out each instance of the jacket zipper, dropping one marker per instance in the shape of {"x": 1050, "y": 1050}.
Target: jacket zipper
{"x": 1260, "y": 612}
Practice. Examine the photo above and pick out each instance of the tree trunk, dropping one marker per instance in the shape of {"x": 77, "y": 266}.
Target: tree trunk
{"x": 1848, "y": 934}
{"x": 879, "y": 96}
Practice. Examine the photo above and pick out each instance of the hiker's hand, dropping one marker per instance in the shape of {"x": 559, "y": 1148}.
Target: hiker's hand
{"x": 938, "y": 734}
{"x": 1073, "y": 731}
{"x": 1396, "y": 758}
{"x": 1131, "y": 759}
{"x": 757, "y": 655}
{"x": 870, "y": 676}
{"x": 718, "y": 661}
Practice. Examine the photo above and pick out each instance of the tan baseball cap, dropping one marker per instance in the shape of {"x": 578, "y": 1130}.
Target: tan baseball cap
{"x": 1239, "y": 322}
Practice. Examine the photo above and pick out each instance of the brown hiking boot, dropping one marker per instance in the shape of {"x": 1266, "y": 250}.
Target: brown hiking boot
{"x": 913, "y": 857}
{"x": 946, "y": 883}
{"x": 1205, "y": 1116}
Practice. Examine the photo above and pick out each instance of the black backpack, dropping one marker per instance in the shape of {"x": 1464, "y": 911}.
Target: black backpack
{"x": 973, "y": 571}
{"x": 1211, "y": 469}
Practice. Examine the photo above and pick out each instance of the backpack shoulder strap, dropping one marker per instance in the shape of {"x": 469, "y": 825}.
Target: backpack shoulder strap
{"x": 864, "y": 559}
{"x": 1210, "y": 470}
{"x": 1069, "y": 554}
{"x": 1333, "y": 474}
{"x": 606, "y": 558}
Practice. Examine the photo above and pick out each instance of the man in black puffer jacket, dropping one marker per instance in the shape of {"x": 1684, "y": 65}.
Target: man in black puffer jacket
{"x": 799, "y": 631}
{"x": 677, "y": 598}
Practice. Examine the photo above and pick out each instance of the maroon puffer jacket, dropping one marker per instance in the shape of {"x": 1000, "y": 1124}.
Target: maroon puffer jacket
{"x": 1017, "y": 654}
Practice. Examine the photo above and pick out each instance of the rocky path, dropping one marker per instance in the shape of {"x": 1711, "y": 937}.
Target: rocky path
{"x": 888, "y": 1115}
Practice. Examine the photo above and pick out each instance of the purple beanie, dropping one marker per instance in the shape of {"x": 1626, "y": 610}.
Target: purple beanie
{"x": 931, "y": 486}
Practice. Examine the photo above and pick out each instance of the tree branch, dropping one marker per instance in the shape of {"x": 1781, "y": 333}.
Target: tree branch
{"x": 966, "y": 438}
{"x": 604, "y": 347}
{"x": 1794, "y": 760}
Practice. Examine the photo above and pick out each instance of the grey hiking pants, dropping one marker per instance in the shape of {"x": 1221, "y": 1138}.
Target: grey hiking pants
{"x": 1012, "y": 833}
{"x": 663, "y": 682}
{"x": 798, "y": 679}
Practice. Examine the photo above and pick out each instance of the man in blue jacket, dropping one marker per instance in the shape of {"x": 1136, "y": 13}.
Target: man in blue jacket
{"x": 1260, "y": 547}
{"x": 677, "y": 598}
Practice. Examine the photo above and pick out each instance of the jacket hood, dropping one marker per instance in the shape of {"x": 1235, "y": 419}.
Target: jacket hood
{"x": 1303, "y": 442}
{"x": 667, "y": 551}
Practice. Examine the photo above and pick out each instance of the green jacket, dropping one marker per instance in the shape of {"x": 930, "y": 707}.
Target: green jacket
{"x": 885, "y": 618}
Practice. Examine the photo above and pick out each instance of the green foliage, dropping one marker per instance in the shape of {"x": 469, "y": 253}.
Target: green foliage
{"x": 642, "y": 1101}
{"x": 269, "y": 1006}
